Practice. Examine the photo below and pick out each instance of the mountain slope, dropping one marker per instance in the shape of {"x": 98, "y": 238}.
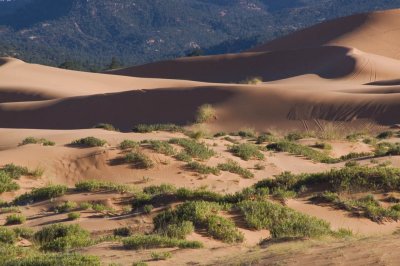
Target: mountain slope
{"x": 136, "y": 32}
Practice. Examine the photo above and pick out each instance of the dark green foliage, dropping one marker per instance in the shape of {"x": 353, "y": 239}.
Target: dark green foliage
{"x": 281, "y": 221}
{"x": 266, "y": 137}
{"x": 108, "y": 127}
{"x": 24, "y": 232}
{"x": 234, "y": 167}
{"x": 60, "y": 237}
{"x": 14, "y": 219}
{"x": 156, "y": 241}
{"x": 387, "y": 149}
{"x": 139, "y": 160}
{"x": 89, "y": 142}
{"x": 40, "y": 194}
{"x": 123, "y": 231}
{"x": 223, "y": 229}
{"x": 32, "y": 140}
{"x": 202, "y": 169}
{"x": 144, "y": 128}
{"x": 194, "y": 149}
{"x": 247, "y": 151}
{"x": 385, "y": 135}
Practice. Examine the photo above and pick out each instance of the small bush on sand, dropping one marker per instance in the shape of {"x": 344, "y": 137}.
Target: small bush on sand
{"x": 161, "y": 255}
{"x": 123, "y": 231}
{"x": 55, "y": 259}
{"x": 247, "y": 151}
{"x": 385, "y": 135}
{"x": 266, "y": 137}
{"x": 252, "y": 81}
{"x": 7, "y": 183}
{"x": 161, "y": 147}
{"x": 73, "y": 216}
{"x": 156, "y": 241}
{"x": 234, "y": 167}
{"x": 128, "y": 144}
{"x": 143, "y": 128}
{"x": 15, "y": 219}
{"x": 202, "y": 169}
{"x": 65, "y": 207}
{"x": 7, "y": 236}
{"x": 194, "y": 149}
{"x": 15, "y": 171}
{"x": 61, "y": 237}
{"x": 32, "y": 140}
{"x": 98, "y": 185}
{"x": 323, "y": 146}
{"x": 89, "y": 142}
{"x": 139, "y": 160}
{"x": 104, "y": 126}
{"x": 24, "y": 232}
{"x": 10, "y": 209}
{"x": 205, "y": 113}
{"x": 40, "y": 194}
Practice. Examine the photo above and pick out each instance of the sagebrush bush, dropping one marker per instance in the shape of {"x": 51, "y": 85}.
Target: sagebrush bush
{"x": 40, "y": 194}
{"x": 15, "y": 171}
{"x": 14, "y": 219}
{"x": 205, "y": 113}
{"x": 123, "y": 231}
{"x": 234, "y": 167}
{"x": 194, "y": 149}
{"x": 74, "y": 216}
{"x": 139, "y": 160}
{"x": 89, "y": 142}
{"x": 128, "y": 144}
{"x": 161, "y": 146}
{"x": 202, "y": 169}
{"x": 32, "y": 140}
{"x": 7, "y": 236}
{"x": 65, "y": 207}
{"x": 7, "y": 183}
{"x": 247, "y": 151}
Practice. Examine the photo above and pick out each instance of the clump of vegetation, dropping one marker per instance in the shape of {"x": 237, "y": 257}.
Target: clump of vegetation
{"x": 194, "y": 149}
{"x": 73, "y": 216}
{"x": 123, "y": 231}
{"x": 177, "y": 230}
{"x": 55, "y": 259}
{"x": 294, "y": 136}
{"x": 32, "y": 140}
{"x": 139, "y": 160}
{"x": 157, "y": 241}
{"x": 387, "y": 149}
{"x": 247, "y": 133}
{"x": 366, "y": 206}
{"x": 161, "y": 255}
{"x": 24, "y": 232}
{"x": 266, "y": 137}
{"x": 65, "y": 207}
{"x": 15, "y": 219}
{"x": 61, "y": 237}
{"x": 89, "y": 142}
{"x": 202, "y": 169}
{"x": 143, "y": 128}
{"x": 356, "y": 136}
{"x": 15, "y": 171}
{"x": 7, "y": 236}
{"x": 247, "y": 151}
{"x": 281, "y": 221}
{"x": 98, "y": 185}
{"x": 161, "y": 147}
{"x": 205, "y": 113}
{"x": 7, "y": 183}
{"x": 128, "y": 144}
{"x": 105, "y": 126}
{"x": 40, "y": 194}
{"x": 10, "y": 209}
{"x": 323, "y": 146}
{"x": 220, "y": 134}
{"x": 252, "y": 81}
{"x": 385, "y": 135}
{"x": 234, "y": 167}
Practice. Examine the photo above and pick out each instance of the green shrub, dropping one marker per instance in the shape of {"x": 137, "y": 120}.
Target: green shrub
{"x": 89, "y": 142}
{"x": 183, "y": 156}
{"x": 161, "y": 147}
{"x": 15, "y": 171}
{"x": 104, "y": 126}
{"x": 387, "y": 149}
{"x": 7, "y": 183}
{"x": 247, "y": 133}
{"x": 7, "y": 236}
{"x": 143, "y": 128}
{"x": 247, "y": 151}
{"x": 139, "y": 160}
{"x": 205, "y": 113}
{"x": 266, "y": 137}
{"x": 281, "y": 221}
{"x": 24, "y": 232}
{"x": 194, "y": 149}
{"x": 156, "y": 241}
{"x": 98, "y": 186}
{"x": 32, "y": 140}
{"x": 219, "y": 134}
{"x": 40, "y": 194}
{"x": 158, "y": 190}
{"x": 61, "y": 237}
{"x": 385, "y": 135}
{"x": 178, "y": 230}
{"x": 148, "y": 208}
{"x": 234, "y": 167}
{"x": 55, "y": 259}
{"x": 223, "y": 229}
{"x": 123, "y": 231}
{"x": 198, "y": 194}
{"x": 294, "y": 136}
{"x": 65, "y": 207}
{"x": 15, "y": 219}
{"x": 85, "y": 205}
{"x": 252, "y": 81}
{"x": 202, "y": 169}
{"x": 11, "y": 209}
{"x": 74, "y": 216}
{"x": 161, "y": 255}
{"x": 128, "y": 144}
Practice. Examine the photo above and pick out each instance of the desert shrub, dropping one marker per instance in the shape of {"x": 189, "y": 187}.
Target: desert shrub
{"x": 259, "y": 166}
{"x": 7, "y": 236}
{"x": 123, "y": 231}
{"x": 252, "y": 81}
{"x": 387, "y": 149}
{"x": 24, "y": 232}
{"x": 355, "y": 136}
{"x": 139, "y": 160}
{"x": 294, "y": 136}
{"x": 351, "y": 164}
{"x": 177, "y": 230}
{"x": 202, "y": 169}
{"x": 7, "y": 183}
{"x": 61, "y": 237}
{"x": 55, "y": 259}
{"x": 323, "y": 146}
{"x": 100, "y": 208}
{"x": 234, "y": 167}
{"x": 128, "y": 144}
{"x": 385, "y": 135}
{"x": 247, "y": 133}
{"x": 148, "y": 208}
{"x": 194, "y": 149}
{"x": 205, "y": 113}
{"x": 355, "y": 155}
{"x": 15, "y": 219}
{"x": 10, "y": 209}
{"x": 40, "y": 194}
{"x": 266, "y": 137}
{"x": 143, "y": 128}
{"x": 74, "y": 216}
{"x": 183, "y": 156}
{"x": 161, "y": 147}
{"x": 161, "y": 255}
{"x": 85, "y": 206}
{"x": 105, "y": 126}
{"x": 198, "y": 194}
{"x": 158, "y": 190}
{"x": 223, "y": 229}
{"x": 89, "y": 142}
{"x": 281, "y": 221}
{"x": 157, "y": 241}
{"x": 65, "y": 207}
{"x": 139, "y": 263}
{"x": 98, "y": 185}
{"x": 32, "y": 140}
{"x": 247, "y": 151}
{"x": 15, "y": 171}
